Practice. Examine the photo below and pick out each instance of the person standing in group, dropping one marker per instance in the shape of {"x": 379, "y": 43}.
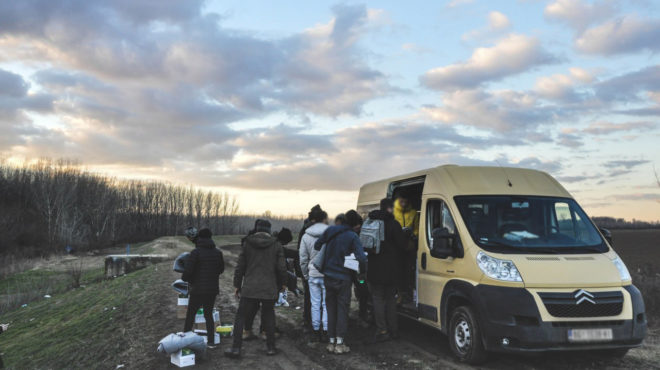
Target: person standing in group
{"x": 340, "y": 241}
{"x": 201, "y": 271}
{"x": 313, "y": 277}
{"x": 307, "y": 303}
{"x": 408, "y": 218}
{"x": 382, "y": 274}
{"x": 259, "y": 269}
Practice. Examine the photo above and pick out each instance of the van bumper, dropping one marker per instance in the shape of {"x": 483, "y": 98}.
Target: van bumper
{"x": 511, "y": 313}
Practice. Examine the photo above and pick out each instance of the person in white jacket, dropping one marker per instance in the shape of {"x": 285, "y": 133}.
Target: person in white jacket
{"x": 313, "y": 276}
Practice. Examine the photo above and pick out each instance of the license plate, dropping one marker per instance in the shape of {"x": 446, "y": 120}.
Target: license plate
{"x": 589, "y": 335}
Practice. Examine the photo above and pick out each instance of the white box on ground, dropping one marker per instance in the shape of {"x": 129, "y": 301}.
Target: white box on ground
{"x": 199, "y": 319}
{"x": 182, "y": 302}
{"x": 183, "y": 360}
{"x": 206, "y": 339}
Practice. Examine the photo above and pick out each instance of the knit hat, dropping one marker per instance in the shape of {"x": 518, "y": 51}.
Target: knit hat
{"x": 353, "y": 218}
{"x": 205, "y": 233}
{"x": 386, "y": 203}
{"x": 262, "y": 226}
{"x": 284, "y": 236}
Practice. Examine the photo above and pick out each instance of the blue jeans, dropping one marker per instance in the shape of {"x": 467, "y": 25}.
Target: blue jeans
{"x": 317, "y": 296}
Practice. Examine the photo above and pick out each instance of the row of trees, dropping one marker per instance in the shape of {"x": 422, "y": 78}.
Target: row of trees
{"x": 50, "y": 204}
{"x": 620, "y": 223}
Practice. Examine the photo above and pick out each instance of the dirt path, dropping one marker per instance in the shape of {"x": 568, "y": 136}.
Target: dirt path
{"x": 420, "y": 347}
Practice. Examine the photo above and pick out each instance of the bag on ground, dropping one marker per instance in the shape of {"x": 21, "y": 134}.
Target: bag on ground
{"x": 372, "y": 234}
{"x": 180, "y": 262}
{"x": 180, "y": 286}
{"x": 174, "y": 342}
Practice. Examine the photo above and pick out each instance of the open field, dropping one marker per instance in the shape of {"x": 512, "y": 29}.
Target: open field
{"x": 119, "y": 322}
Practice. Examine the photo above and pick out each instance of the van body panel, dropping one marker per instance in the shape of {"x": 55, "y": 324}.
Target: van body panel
{"x": 565, "y": 270}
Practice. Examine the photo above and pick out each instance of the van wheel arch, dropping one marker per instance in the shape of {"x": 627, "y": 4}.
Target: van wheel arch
{"x": 455, "y": 293}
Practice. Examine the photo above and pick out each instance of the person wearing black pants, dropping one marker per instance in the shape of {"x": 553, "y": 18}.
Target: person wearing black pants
{"x": 337, "y": 300}
{"x": 247, "y": 309}
{"x": 258, "y": 279}
{"x": 202, "y": 271}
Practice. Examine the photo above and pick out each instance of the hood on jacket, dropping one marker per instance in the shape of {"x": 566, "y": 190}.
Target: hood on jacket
{"x": 316, "y": 230}
{"x": 261, "y": 240}
{"x": 204, "y": 243}
{"x": 380, "y": 215}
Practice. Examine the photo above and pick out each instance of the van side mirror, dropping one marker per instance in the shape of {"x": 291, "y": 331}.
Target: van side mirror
{"x": 607, "y": 234}
{"x": 443, "y": 243}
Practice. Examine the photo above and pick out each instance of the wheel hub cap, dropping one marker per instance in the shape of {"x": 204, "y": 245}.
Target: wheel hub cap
{"x": 462, "y": 335}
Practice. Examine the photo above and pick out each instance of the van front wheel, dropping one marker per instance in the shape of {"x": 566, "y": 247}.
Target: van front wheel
{"x": 465, "y": 336}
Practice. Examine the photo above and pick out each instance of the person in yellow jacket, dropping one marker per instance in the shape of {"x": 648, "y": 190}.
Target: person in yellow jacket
{"x": 408, "y": 217}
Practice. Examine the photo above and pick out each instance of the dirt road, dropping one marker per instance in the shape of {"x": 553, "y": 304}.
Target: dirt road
{"x": 420, "y": 347}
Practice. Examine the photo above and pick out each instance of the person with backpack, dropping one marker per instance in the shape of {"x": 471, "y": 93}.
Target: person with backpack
{"x": 313, "y": 277}
{"x": 201, "y": 272}
{"x": 258, "y": 278}
{"x": 408, "y": 218}
{"x": 334, "y": 245}
{"x": 382, "y": 273}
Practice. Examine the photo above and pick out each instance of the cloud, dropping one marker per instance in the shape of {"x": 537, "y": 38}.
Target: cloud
{"x": 579, "y": 14}
{"x": 509, "y": 56}
{"x": 628, "y": 34}
{"x": 497, "y": 21}
{"x": 502, "y": 111}
{"x": 605, "y": 128}
{"x": 561, "y": 86}
{"x": 627, "y": 164}
{"x": 457, "y": 3}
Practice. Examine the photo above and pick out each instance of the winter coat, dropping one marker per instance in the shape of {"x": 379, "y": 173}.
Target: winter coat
{"x": 407, "y": 217}
{"x": 307, "y": 223}
{"x": 307, "y": 251}
{"x": 203, "y": 268}
{"x": 261, "y": 268}
{"x": 384, "y": 267}
{"x": 344, "y": 243}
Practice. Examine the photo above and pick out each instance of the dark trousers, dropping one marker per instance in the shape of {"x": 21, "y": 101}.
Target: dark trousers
{"x": 407, "y": 272}
{"x": 205, "y": 301}
{"x": 247, "y": 308}
{"x": 362, "y": 294}
{"x": 307, "y": 306}
{"x": 337, "y": 302}
{"x": 384, "y": 302}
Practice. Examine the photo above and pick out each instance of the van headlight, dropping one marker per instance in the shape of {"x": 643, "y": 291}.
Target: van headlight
{"x": 498, "y": 269}
{"x": 623, "y": 270}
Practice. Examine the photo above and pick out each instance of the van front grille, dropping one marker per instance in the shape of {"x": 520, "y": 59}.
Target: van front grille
{"x": 582, "y": 303}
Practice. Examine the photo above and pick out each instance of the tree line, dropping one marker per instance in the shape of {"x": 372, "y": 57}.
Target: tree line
{"x": 620, "y": 223}
{"x": 47, "y": 205}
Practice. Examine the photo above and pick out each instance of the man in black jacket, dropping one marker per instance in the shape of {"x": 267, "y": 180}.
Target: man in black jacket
{"x": 258, "y": 278}
{"x": 382, "y": 273}
{"x": 202, "y": 271}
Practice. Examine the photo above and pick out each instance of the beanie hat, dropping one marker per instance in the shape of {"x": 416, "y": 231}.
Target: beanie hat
{"x": 205, "y": 233}
{"x": 284, "y": 236}
{"x": 262, "y": 226}
{"x": 352, "y": 218}
{"x": 386, "y": 203}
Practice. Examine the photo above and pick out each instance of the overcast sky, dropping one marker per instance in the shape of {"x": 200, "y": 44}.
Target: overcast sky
{"x": 287, "y": 104}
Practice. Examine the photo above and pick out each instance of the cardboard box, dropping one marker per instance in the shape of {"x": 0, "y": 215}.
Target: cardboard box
{"x": 206, "y": 339}
{"x": 199, "y": 318}
{"x": 183, "y": 358}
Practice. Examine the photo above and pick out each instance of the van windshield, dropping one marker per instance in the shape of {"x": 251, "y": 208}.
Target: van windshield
{"x": 529, "y": 224}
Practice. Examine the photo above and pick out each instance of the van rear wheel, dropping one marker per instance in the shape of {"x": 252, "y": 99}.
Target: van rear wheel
{"x": 465, "y": 336}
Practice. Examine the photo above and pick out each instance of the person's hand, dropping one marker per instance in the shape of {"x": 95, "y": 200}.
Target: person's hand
{"x": 4, "y": 327}
{"x": 237, "y": 293}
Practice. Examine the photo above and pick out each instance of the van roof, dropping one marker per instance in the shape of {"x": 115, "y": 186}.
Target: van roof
{"x": 452, "y": 180}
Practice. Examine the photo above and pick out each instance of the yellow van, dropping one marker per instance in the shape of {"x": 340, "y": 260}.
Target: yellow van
{"x": 507, "y": 261}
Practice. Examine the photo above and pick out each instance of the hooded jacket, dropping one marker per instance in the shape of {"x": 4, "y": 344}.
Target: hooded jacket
{"x": 407, "y": 217}
{"x": 344, "y": 242}
{"x": 307, "y": 251}
{"x": 261, "y": 268}
{"x": 203, "y": 268}
{"x": 384, "y": 267}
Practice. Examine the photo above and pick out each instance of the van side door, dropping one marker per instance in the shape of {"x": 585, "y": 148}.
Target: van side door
{"x": 434, "y": 271}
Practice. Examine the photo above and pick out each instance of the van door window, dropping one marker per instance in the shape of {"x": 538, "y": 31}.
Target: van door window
{"x": 438, "y": 216}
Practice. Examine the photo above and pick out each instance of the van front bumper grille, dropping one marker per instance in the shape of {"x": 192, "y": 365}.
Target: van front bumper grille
{"x": 582, "y": 303}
